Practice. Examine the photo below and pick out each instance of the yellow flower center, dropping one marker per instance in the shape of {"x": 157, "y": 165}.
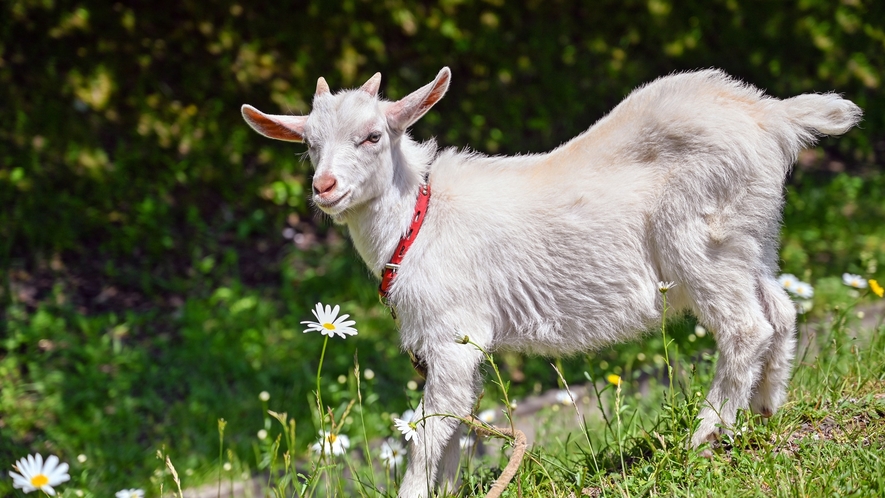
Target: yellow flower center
{"x": 39, "y": 480}
{"x": 328, "y": 326}
{"x": 332, "y": 438}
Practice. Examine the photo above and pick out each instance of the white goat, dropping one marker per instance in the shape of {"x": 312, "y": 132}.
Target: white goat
{"x": 562, "y": 252}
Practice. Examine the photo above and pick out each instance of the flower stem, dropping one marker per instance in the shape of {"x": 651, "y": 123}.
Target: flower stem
{"x": 667, "y": 357}
{"x": 322, "y": 412}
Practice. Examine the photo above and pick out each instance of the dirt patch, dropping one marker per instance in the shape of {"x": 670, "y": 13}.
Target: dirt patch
{"x": 857, "y": 421}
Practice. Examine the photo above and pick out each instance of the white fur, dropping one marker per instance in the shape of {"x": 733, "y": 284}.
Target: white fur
{"x": 561, "y": 252}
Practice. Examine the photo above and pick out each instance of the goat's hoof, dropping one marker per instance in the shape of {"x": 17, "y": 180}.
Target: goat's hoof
{"x": 699, "y": 439}
{"x": 764, "y": 410}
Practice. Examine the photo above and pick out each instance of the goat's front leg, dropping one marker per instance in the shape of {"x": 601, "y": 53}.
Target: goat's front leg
{"x": 451, "y": 389}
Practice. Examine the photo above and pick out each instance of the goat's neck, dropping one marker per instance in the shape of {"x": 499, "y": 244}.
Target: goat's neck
{"x": 377, "y": 226}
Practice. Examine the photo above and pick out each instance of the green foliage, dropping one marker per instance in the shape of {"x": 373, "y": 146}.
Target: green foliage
{"x": 116, "y": 387}
{"x": 123, "y": 140}
{"x": 834, "y": 221}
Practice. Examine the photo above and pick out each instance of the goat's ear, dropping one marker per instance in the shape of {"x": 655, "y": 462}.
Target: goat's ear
{"x": 288, "y": 128}
{"x": 402, "y": 113}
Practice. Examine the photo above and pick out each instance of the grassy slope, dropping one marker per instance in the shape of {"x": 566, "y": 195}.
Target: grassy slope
{"x": 828, "y": 440}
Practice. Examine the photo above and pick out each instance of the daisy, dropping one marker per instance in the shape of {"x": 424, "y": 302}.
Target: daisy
{"x": 392, "y": 453}
{"x": 33, "y": 474}
{"x": 130, "y": 493}
{"x": 487, "y": 416}
{"x": 564, "y": 397}
{"x": 803, "y": 290}
{"x": 329, "y": 323}
{"x": 804, "y": 306}
{"x": 788, "y": 281}
{"x": 407, "y": 428}
{"x": 329, "y": 443}
{"x": 408, "y": 415}
{"x": 466, "y": 443}
{"x": 855, "y": 281}
{"x": 663, "y": 287}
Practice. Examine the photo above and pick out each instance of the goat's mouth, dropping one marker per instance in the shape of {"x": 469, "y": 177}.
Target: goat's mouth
{"x": 329, "y": 205}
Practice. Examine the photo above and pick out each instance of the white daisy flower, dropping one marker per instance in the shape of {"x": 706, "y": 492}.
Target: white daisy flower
{"x": 409, "y": 429}
{"x": 487, "y": 416}
{"x": 34, "y": 474}
{"x": 803, "y": 290}
{"x": 855, "y": 281}
{"x": 564, "y": 397}
{"x": 408, "y": 415}
{"x": 663, "y": 287}
{"x": 392, "y": 453}
{"x": 130, "y": 493}
{"x": 329, "y": 443}
{"x": 329, "y": 323}
{"x": 788, "y": 281}
{"x": 466, "y": 443}
{"x": 804, "y": 306}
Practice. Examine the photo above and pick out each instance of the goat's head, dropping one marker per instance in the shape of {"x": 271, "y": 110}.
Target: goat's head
{"x": 352, "y": 137}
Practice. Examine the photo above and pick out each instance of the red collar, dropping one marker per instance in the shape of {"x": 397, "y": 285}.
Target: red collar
{"x": 390, "y": 269}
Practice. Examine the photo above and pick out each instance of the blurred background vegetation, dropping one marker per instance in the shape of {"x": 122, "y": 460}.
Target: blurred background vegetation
{"x": 157, "y": 256}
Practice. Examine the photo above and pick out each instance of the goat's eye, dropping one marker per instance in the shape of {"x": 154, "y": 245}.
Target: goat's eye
{"x": 373, "y": 137}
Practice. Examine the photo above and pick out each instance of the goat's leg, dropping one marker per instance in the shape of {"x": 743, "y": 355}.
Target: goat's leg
{"x": 451, "y": 389}
{"x": 743, "y": 337}
{"x": 448, "y": 469}
{"x": 771, "y": 391}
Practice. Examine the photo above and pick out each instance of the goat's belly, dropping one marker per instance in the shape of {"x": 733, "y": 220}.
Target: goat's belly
{"x": 563, "y": 337}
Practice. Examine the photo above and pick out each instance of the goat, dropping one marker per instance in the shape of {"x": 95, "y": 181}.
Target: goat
{"x": 563, "y": 252}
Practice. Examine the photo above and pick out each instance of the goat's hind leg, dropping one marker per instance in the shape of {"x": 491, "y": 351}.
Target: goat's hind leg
{"x": 771, "y": 391}
{"x": 743, "y": 335}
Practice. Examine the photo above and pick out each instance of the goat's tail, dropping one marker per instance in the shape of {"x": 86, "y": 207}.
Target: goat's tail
{"x": 822, "y": 114}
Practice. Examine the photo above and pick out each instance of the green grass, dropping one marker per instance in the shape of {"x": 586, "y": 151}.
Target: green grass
{"x": 828, "y": 440}
{"x": 119, "y": 385}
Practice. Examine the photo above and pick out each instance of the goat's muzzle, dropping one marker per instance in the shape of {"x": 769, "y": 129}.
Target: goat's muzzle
{"x": 324, "y": 186}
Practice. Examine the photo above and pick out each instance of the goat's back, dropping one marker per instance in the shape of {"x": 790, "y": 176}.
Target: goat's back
{"x": 688, "y": 167}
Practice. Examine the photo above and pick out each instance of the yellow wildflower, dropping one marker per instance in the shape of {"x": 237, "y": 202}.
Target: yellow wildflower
{"x": 614, "y": 379}
{"x": 876, "y": 288}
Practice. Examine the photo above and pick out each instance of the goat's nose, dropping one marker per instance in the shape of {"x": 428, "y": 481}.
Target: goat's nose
{"x": 324, "y": 184}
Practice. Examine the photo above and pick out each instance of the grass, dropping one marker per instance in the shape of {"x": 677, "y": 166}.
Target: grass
{"x": 105, "y": 391}
{"x": 828, "y": 440}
